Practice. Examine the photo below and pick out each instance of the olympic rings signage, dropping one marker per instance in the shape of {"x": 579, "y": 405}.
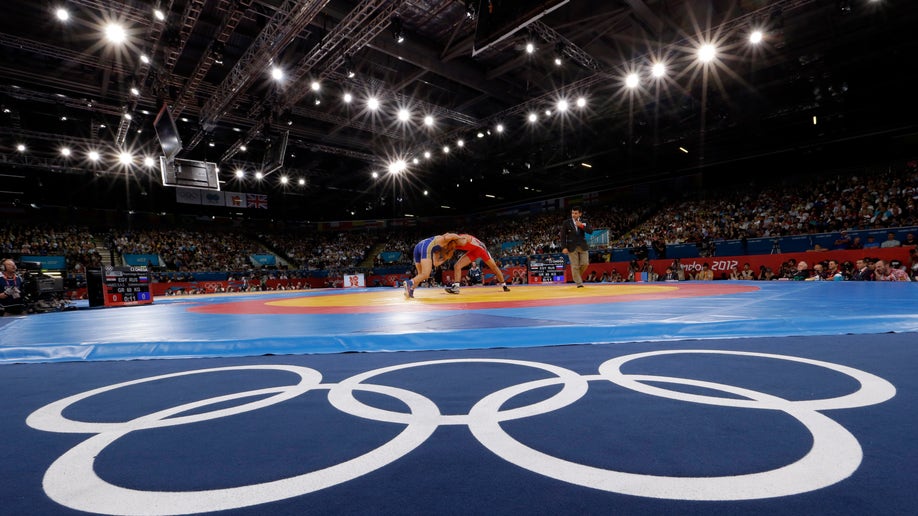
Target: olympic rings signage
{"x": 835, "y": 454}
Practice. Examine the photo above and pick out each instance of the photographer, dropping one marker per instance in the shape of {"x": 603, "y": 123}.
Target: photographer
{"x": 11, "y": 300}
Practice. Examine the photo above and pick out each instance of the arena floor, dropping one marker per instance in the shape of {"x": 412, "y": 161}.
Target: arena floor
{"x": 687, "y": 398}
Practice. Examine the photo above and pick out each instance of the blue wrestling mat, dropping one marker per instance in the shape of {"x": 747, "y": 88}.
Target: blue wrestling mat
{"x": 334, "y": 321}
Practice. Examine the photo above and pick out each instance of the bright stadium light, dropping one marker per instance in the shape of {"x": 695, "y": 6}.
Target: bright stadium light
{"x": 632, "y": 80}
{"x": 114, "y": 33}
{"x": 706, "y": 53}
{"x": 398, "y": 166}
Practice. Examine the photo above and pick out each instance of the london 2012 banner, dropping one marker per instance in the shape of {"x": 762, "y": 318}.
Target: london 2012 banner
{"x": 354, "y": 280}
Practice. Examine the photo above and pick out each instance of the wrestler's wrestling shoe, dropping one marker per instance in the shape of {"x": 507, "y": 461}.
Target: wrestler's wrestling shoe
{"x": 409, "y": 289}
{"x": 453, "y": 289}
{"x": 506, "y": 288}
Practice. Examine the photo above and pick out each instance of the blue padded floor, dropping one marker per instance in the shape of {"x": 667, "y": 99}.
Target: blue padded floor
{"x": 167, "y": 329}
{"x": 793, "y": 425}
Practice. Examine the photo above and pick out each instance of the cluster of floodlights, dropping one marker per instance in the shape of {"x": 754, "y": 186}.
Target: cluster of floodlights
{"x": 706, "y": 52}
{"x": 123, "y": 157}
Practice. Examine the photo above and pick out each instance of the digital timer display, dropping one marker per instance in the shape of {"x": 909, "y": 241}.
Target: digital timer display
{"x": 119, "y": 286}
{"x": 549, "y": 269}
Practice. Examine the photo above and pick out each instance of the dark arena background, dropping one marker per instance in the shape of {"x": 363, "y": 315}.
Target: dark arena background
{"x": 210, "y": 210}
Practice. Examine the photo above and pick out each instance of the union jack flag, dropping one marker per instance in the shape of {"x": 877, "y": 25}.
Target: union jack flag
{"x": 256, "y": 201}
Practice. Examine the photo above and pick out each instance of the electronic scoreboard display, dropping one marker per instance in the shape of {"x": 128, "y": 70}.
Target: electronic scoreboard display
{"x": 119, "y": 286}
{"x": 549, "y": 269}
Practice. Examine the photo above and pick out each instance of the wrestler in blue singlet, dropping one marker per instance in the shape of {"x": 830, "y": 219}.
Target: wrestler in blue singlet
{"x": 424, "y": 249}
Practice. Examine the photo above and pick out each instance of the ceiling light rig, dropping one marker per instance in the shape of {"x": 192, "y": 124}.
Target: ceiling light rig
{"x": 398, "y": 32}
{"x": 470, "y": 10}
{"x": 705, "y": 52}
{"x": 350, "y": 71}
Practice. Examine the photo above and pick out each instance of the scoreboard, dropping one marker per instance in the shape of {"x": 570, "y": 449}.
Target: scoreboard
{"x": 549, "y": 269}
{"x": 119, "y": 286}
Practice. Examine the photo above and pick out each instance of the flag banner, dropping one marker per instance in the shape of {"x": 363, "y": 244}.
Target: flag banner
{"x": 355, "y": 280}
{"x": 212, "y": 198}
{"x": 234, "y": 199}
{"x": 188, "y": 195}
{"x": 256, "y": 201}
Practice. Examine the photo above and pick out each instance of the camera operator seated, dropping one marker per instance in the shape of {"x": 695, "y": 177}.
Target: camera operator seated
{"x": 11, "y": 301}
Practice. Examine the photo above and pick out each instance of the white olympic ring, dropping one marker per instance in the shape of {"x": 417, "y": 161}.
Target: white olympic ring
{"x": 72, "y": 481}
{"x": 835, "y": 453}
{"x": 574, "y": 387}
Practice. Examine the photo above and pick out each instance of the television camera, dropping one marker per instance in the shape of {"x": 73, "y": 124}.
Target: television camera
{"x": 41, "y": 292}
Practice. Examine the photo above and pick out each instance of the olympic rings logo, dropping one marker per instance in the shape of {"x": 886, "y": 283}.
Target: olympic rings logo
{"x": 834, "y": 456}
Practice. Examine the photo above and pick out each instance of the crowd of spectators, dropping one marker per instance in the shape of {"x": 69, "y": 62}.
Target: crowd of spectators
{"x": 884, "y": 199}
{"x": 77, "y": 244}
{"x": 817, "y": 205}
{"x": 322, "y": 251}
{"x": 510, "y": 237}
{"x": 186, "y": 250}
